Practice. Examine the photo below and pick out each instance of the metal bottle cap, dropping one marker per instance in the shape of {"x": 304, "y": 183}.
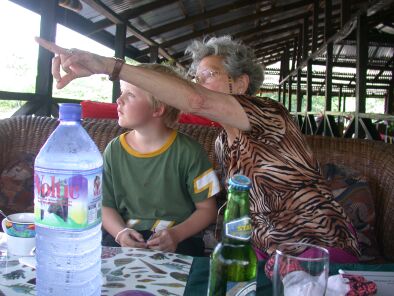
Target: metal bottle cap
{"x": 70, "y": 111}
{"x": 240, "y": 182}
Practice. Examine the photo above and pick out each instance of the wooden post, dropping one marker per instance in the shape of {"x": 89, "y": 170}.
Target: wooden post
{"x": 329, "y": 60}
{"x": 44, "y": 78}
{"x": 299, "y": 94}
{"x": 289, "y": 92}
{"x": 361, "y": 69}
{"x": 339, "y": 98}
{"x": 345, "y": 15}
{"x": 309, "y": 87}
{"x": 305, "y": 40}
{"x": 340, "y": 118}
{"x": 120, "y": 41}
{"x": 304, "y": 56}
{"x": 281, "y": 75}
{"x": 279, "y": 93}
{"x": 315, "y": 24}
{"x": 294, "y": 57}
{"x": 345, "y": 12}
{"x": 389, "y": 102}
{"x": 298, "y": 56}
{"x": 154, "y": 54}
{"x": 286, "y": 71}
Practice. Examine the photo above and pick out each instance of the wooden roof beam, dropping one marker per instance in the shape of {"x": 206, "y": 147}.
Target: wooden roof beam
{"x": 273, "y": 34}
{"x": 270, "y": 47}
{"x": 108, "y": 13}
{"x": 227, "y": 25}
{"x": 193, "y": 19}
{"x": 269, "y": 26}
{"x": 259, "y": 45}
{"x": 319, "y": 29}
{"x": 130, "y": 14}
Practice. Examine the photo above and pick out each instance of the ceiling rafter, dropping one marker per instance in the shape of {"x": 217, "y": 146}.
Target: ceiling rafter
{"x": 205, "y": 15}
{"x": 132, "y": 13}
{"x": 268, "y": 26}
{"x": 228, "y": 24}
{"x": 108, "y": 13}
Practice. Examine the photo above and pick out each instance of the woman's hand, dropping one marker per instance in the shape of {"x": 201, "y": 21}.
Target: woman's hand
{"x": 131, "y": 238}
{"x": 163, "y": 240}
{"x": 75, "y": 63}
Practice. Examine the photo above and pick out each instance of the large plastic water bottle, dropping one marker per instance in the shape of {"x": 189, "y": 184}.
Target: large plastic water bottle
{"x": 67, "y": 209}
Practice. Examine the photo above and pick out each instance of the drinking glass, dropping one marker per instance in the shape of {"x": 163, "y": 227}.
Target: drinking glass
{"x": 300, "y": 269}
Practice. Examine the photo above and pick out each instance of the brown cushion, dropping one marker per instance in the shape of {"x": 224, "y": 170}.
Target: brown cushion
{"x": 351, "y": 190}
{"x": 16, "y": 184}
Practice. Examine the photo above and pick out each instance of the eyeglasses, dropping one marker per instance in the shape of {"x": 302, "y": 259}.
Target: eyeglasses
{"x": 205, "y": 75}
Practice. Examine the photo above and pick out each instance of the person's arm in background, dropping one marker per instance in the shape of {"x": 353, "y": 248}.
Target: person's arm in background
{"x": 184, "y": 95}
{"x": 125, "y": 237}
{"x": 168, "y": 239}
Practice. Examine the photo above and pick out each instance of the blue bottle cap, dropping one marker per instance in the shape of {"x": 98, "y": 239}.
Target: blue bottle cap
{"x": 70, "y": 111}
{"x": 240, "y": 182}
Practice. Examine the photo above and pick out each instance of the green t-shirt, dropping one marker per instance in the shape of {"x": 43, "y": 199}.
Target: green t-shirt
{"x": 157, "y": 189}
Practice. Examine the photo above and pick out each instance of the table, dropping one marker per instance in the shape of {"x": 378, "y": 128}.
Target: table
{"x": 198, "y": 278}
{"x": 123, "y": 270}
{"x": 114, "y": 259}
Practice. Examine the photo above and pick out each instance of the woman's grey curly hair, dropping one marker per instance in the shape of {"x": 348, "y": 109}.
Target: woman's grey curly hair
{"x": 238, "y": 59}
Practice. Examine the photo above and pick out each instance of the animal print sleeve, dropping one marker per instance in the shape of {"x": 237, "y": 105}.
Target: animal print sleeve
{"x": 267, "y": 118}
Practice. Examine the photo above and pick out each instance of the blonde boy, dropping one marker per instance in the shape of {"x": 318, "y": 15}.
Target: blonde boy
{"x": 158, "y": 184}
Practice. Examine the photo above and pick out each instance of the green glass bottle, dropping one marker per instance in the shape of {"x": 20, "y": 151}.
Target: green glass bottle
{"x": 233, "y": 264}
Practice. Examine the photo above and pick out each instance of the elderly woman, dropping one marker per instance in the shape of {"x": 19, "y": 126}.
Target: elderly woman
{"x": 289, "y": 200}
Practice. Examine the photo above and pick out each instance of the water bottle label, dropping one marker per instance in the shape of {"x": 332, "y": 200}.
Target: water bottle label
{"x": 67, "y": 199}
{"x": 239, "y": 229}
{"x": 241, "y": 288}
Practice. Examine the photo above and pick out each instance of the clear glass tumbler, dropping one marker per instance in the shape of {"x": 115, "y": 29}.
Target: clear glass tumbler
{"x": 300, "y": 270}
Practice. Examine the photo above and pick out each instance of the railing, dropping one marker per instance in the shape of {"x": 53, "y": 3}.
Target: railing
{"x": 343, "y": 124}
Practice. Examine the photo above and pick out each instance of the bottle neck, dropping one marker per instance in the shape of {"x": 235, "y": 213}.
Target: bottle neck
{"x": 70, "y": 122}
{"x": 236, "y": 223}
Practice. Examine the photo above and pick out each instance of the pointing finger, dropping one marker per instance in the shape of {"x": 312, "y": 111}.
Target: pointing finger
{"x": 56, "y": 68}
{"x": 52, "y": 47}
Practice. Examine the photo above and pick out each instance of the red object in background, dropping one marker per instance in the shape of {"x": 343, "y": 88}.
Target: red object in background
{"x": 195, "y": 119}
{"x": 92, "y": 109}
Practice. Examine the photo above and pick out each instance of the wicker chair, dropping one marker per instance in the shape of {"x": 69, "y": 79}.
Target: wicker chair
{"x": 375, "y": 160}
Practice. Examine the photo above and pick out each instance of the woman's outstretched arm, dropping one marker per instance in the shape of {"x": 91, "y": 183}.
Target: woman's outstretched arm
{"x": 180, "y": 93}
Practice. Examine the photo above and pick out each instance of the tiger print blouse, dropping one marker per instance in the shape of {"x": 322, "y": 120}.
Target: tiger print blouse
{"x": 289, "y": 200}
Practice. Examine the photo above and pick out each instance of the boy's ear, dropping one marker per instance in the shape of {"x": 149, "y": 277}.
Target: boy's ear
{"x": 159, "y": 110}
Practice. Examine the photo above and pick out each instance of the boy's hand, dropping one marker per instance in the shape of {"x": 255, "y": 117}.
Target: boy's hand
{"x": 163, "y": 240}
{"x": 131, "y": 238}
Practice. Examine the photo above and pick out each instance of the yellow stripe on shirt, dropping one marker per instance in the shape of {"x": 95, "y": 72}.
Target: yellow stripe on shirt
{"x": 207, "y": 180}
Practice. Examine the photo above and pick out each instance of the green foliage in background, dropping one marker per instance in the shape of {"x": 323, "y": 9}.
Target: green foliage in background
{"x": 21, "y": 77}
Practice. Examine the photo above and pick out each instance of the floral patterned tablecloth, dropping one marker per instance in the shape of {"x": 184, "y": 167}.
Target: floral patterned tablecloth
{"x": 125, "y": 271}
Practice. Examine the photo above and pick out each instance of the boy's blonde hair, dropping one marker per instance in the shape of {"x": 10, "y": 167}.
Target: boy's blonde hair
{"x": 171, "y": 114}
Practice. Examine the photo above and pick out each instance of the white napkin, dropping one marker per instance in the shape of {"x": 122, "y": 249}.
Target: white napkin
{"x": 300, "y": 283}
